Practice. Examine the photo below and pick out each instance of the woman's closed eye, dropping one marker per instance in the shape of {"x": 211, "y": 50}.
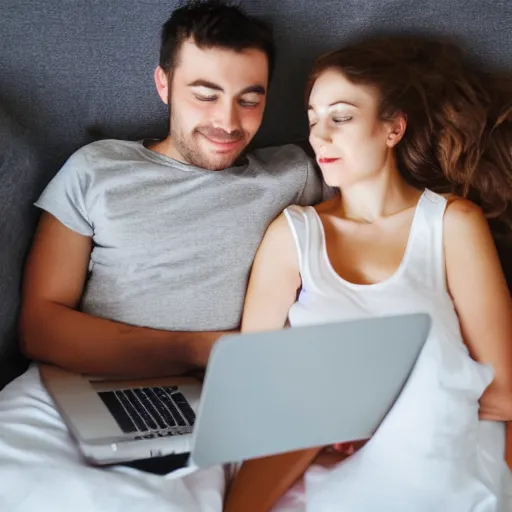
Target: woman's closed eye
{"x": 341, "y": 119}
{"x": 336, "y": 119}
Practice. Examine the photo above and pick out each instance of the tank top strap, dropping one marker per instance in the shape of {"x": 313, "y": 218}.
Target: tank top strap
{"x": 308, "y": 241}
{"x": 425, "y": 255}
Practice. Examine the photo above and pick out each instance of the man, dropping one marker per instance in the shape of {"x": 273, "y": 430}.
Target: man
{"x": 143, "y": 251}
{"x": 167, "y": 229}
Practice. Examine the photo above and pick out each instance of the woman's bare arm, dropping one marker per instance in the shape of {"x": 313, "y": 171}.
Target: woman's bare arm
{"x": 482, "y": 301}
{"x": 274, "y": 280}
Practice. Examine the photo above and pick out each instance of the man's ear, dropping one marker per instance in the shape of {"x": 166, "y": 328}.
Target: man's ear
{"x": 162, "y": 84}
{"x": 397, "y": 129}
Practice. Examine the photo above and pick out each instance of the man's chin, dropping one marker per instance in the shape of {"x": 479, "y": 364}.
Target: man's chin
{"x": 225, "y": 164}
{"x": 220, "y": 162}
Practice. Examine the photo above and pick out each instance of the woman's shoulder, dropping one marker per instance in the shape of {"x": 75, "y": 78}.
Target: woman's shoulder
{"x": 279, "y": 231}
{"x": 279, "y": 242}
{"x": 464, "y": 224}
{"x": 457, "y": 210}
{"x": 296, "y": 214}
{"x": 332, "y": 205}
{"x": 460, "y": 211}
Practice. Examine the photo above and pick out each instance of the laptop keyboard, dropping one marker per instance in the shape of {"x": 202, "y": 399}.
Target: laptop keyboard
{"x": 152, "y": 411}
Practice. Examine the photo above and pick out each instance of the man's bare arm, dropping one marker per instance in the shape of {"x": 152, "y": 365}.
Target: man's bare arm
{"x": 53, "y": 331}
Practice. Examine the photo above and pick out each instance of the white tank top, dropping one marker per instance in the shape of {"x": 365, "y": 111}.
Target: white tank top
{"x": 417, "y": 285}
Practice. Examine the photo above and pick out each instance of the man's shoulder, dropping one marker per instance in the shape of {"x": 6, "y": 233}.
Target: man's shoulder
{"x": 294, "y": 168}
{"x": 99, "y": 155}
{"x": 281, "y": 158}
{"x": 107, "y": 149}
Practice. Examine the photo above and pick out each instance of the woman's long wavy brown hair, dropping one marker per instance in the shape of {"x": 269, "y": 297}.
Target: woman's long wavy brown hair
{"x": 459, "y": 117}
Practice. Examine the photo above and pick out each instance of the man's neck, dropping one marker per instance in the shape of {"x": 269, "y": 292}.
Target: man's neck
{"x": 166, "y": 148}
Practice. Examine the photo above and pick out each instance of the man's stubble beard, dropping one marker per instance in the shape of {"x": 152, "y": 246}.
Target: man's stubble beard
{"x": 188, "y": 147}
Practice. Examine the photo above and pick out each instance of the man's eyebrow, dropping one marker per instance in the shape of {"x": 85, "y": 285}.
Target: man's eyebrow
{"x": 207, "y": 84}
{"x": 340, "y": 102}
{"x": 255, "y": 89}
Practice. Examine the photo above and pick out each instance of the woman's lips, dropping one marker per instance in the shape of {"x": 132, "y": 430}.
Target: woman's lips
{"x": 327, "y": 160}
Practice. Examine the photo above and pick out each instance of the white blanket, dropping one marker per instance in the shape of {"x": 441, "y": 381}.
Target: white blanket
{"x": 42, "y": 471}
{"x": 320, "y": 490}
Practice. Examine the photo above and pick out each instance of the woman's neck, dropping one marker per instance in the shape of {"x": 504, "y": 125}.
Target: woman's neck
{"x": 385, "y": 195}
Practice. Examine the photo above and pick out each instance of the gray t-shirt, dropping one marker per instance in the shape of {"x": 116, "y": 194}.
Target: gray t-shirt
{"x": 173, "y": 244}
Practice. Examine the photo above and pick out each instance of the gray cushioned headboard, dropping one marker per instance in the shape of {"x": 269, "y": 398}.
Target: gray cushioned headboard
{"x": 75, "y": 71}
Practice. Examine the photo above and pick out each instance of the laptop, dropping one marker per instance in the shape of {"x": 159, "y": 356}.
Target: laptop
{"x": 263, "y": 393}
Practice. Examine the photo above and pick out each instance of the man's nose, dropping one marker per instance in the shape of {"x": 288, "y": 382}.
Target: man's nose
{"x": 227, "y": 118}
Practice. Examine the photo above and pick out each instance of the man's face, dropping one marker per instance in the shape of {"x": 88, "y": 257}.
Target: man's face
{"x": 217, "y": 98}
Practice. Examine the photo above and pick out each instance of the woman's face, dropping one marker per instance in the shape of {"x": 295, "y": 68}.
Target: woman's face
{"x": 352, "y": 144}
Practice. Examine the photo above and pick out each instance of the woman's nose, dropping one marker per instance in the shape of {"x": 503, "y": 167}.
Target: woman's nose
{"x": 321, "y": 133}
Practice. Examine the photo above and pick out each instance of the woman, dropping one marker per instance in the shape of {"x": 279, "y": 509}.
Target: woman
{"x": 418, "y": 146}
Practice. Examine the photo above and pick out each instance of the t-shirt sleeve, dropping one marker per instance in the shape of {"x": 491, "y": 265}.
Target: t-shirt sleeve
{"x": 315, "y": 189}
{"x": 65, "y": 196}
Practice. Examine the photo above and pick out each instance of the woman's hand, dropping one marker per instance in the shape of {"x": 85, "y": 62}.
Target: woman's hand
{"x": 334, "y": 454}
{"x": 349, "y": 448}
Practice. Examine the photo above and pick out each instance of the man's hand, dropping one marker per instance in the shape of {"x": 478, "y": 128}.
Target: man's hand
{"x": 200, "y": 350}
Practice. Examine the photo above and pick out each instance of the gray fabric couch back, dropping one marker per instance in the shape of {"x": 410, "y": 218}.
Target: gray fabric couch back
{"x": 74, "y": 72}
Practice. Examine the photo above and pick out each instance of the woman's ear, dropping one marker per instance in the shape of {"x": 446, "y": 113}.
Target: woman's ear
{"x": 162, "y": 84}
{"x": 397, "y": 129}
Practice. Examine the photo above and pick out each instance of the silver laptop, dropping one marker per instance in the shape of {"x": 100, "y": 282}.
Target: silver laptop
{"x": 263, "y": 393}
